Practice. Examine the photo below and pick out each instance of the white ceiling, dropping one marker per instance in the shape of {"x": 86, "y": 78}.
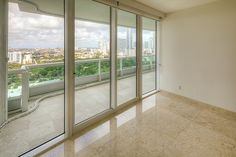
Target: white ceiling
{"x": 168, "y": 6}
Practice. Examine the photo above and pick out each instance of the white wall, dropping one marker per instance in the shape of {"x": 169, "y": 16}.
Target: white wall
{"x": 198, "y": 52}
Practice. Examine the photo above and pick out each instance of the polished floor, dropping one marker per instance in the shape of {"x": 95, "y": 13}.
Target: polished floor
{"x": 47, "y": 121}
{"x": 162, "y": 125}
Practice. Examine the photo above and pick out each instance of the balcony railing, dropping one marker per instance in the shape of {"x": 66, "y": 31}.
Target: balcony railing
{"x": 46, "y": 78}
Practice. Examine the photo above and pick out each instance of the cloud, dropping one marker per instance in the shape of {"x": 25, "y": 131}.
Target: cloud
{"x": 28, "y": 30}
{"x": 147, "y": 34}
{"x": 88, "y": 34}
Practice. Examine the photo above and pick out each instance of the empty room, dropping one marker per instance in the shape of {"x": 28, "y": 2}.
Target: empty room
{"x": 118, "y": 78}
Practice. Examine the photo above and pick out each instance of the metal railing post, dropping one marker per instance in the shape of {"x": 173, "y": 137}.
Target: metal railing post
{"x": 150, "y": 64}
{"x": 99, "y": 70}
{"x": 25, "y": 88}
{"x": 121, "y": 66}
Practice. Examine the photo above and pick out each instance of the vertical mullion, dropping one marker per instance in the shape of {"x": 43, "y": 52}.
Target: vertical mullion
{"x": 139, "y": 56}
{"x": 113, "y": 48}
{"x": 155, "y": 47}
{"x": 69, "y": 66}
{"x": 3, "y": 60}
{"x": 157, "y": 55}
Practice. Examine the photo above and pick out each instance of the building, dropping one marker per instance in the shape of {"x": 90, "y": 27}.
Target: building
{"x": 122, "y": 47}
{"x": 20, "y": 57}
{"x": 103, "y": 46}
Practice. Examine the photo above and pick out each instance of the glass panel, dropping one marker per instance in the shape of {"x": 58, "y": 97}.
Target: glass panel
{"x": 35, "y": 76}
{"x": 126, "y": 56}
{"x": 148, "y": 55}
{"x": 14, "y": 84}
{"x": 92, "y": 59}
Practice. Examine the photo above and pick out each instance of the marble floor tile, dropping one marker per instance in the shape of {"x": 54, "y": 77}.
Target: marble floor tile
{"x": 217, "y": 122}
{"x": 47, "y": 121}
{"x": 162, "y": 125}
{"x": 198, "y": 141}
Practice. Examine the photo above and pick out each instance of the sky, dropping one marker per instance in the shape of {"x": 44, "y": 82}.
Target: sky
{"x": 27, "y": 30}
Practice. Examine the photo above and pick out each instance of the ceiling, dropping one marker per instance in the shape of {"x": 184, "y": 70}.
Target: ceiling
{"x": 168, "y": 6}
{"x": 86, "y": 10}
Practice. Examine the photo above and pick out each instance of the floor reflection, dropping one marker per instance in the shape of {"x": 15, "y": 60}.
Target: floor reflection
{"x": 157, "y": 127}
{"x": 92, "y": 136}
{"x": 126, "y": 116}
{"x": 109, "y": 129}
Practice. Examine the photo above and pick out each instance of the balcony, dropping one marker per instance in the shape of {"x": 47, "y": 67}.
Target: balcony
{"x": 35, "y": 104}
{"x": 32, "y": 83}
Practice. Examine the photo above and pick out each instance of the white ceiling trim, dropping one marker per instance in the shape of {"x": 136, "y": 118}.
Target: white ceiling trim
{"x": 168, "y": 6}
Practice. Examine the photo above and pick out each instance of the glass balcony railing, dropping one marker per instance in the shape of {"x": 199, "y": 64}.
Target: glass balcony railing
{"x": 14, "y": 83}
{"x": 33, "y": 80}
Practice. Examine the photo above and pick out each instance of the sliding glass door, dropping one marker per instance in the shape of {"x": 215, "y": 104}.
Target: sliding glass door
{"x": 35, "y": 101}
{"x": 92, "y": 59}
{"x": 126, "y": 57}
{"x": 34, "y": 76}
{"x": 148, "y": 55}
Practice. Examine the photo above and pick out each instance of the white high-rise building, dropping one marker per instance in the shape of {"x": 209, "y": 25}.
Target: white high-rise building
{"x": 20, "y": 57}
{"x": 103, "y": 46}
